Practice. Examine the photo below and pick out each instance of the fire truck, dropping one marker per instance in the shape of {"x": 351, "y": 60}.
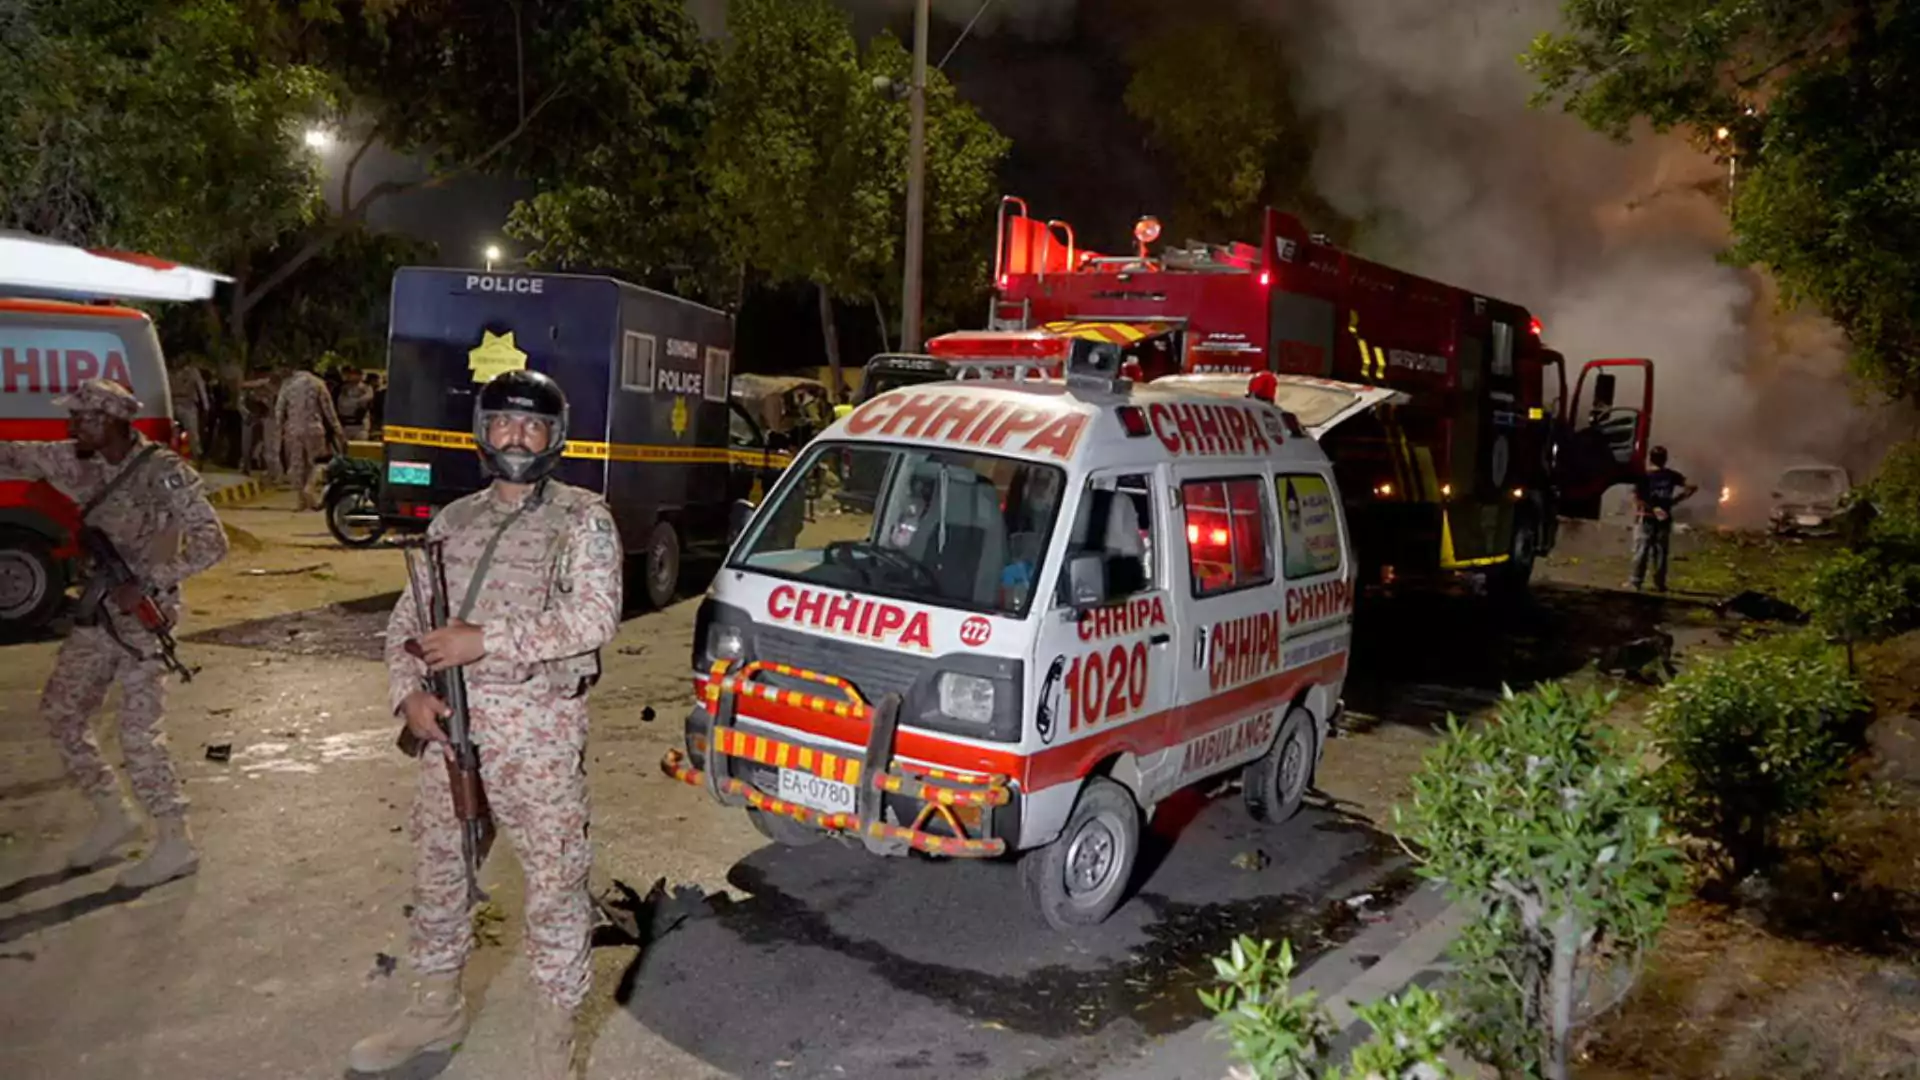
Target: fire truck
{"x": 1448, "y": 418}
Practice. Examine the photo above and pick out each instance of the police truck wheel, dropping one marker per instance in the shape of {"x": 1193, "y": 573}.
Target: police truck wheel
{"x": 1511, "y": 579}
{"x": 1080, "y": 878}
{"x": 783, "y": 830}
{"x": 1277, "y": 783}
{"x": 662, "y": 565}
{"x": 32, "y": 581}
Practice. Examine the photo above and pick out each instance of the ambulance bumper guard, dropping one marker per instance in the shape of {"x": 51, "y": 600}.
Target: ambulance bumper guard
{"x": 872, "y": 776}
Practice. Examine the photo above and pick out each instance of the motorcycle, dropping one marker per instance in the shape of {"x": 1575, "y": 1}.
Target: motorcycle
{"x": 351, "y": 501}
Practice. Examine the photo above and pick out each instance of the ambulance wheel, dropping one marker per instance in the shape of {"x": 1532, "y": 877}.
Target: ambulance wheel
{"x": 1080, "y": 878}
{"x": 32, "y": 581}
{"x": 783, "y": 830}
{"x": 1276, "y": 783}
{"x": 661, "y": 576}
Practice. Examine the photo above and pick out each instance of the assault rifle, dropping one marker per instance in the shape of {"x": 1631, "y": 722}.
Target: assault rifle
{"x": 109, "y": 572}
{"x": 463, "y": 765}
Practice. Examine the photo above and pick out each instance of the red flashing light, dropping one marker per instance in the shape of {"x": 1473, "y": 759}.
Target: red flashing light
{"x": 1538, "y": 330}
{"x": 1004, "y": 278}
{"x": 996, "y": 346}
{"x": 1266, "y": 278}
{"x": 1134, "y": 420}
{"x": 1263, "y": 386}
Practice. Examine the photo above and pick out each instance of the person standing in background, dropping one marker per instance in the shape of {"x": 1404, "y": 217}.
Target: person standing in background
{"x": 377, "y": 411}
{"x": 1654, "y": 497}
{"x": 309, "y": 431}
{"x": 354, "y": 403}
{"x": 192, "y": 406}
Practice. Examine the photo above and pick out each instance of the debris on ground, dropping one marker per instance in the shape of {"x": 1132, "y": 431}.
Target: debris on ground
{"x": 1360, "y": 901}
{"x": 221, "y": 752}
{"x": 1646, "y": 659}
{"x": 627, "y": 918}
{"x": 1252, "y": 860}
{"x": 383, "y": 965}
{"x": 1760, "y": 607}
{"x": 260, "y": 571}
{"x": 647, "y": 714}
{"x": 633, "y": 650}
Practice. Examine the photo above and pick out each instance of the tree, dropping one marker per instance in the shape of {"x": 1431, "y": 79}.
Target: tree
{"x": 1811, "y": 98}
{"x": 558, "y": 92}
{"x": 806, "y": 162}
{"x": 1233, "y": 135}
{"x": 164, "y": 126}
{"x": 1545, "y": 828}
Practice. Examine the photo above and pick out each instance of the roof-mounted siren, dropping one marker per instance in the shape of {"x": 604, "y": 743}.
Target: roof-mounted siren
{"x": 1095, "y": 365}
{"x": 1145, "y": 231}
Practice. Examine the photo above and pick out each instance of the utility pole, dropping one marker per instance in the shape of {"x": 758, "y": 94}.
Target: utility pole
{"x": 916, "y": 182}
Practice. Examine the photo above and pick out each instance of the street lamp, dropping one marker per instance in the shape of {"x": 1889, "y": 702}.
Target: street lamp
{"x": 493, "y": 256}
{"x": 319, "y": 138}
{"x": 916, "y": 182}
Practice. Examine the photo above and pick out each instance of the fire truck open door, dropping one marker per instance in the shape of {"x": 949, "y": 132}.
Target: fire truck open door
{"x": 1604, "y": 433}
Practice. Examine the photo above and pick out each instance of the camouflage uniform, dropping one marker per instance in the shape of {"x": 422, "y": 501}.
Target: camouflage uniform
{"x": 307, "y": 423}
{"x": 356, "y": 402}
{"x": 551, "y": 599}
{"x": 192, "y": 407}
{"x": 163, "y": 526}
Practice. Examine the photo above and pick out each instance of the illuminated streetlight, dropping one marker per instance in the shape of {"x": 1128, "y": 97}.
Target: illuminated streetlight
{"x": 493, "y": 256}
{"x": 1722, "y": 134}
{"x": 319, "y": 138}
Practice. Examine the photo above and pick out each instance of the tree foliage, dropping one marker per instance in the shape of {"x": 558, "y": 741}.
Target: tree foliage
{"x": 1214, "y": 92}
{"x": 1749, "y": 739}
{"x": 1277, "y": 1034}
{"x": 1814, "y": 98}
{"x": 171, "y": 126}
{"x": 1545, "y": 828}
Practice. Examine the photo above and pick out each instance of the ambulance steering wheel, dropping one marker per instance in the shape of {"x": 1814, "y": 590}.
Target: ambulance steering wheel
{"x": 847, "y": 553}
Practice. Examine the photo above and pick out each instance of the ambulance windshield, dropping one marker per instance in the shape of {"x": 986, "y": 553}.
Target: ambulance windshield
{"x": 944, "y": 527}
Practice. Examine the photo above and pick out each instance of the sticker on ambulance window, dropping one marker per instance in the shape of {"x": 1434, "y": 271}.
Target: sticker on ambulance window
{"x": 1309, "y": 527}
{"x": 410, "y": 472}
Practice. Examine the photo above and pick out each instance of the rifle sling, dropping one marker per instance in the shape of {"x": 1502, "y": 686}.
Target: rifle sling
{"x": 119, "y": 478}
{"x": 534, "y": 498}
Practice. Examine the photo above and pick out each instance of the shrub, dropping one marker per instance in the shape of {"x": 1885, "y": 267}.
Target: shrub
{"x": 1279, "y": 1035}
{"x": 1544, "y": 826}
{"x": 1855, "y": 596}
{"x": 1751, "y": 738}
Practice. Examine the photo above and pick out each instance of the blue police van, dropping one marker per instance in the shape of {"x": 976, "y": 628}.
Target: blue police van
{"x": 652, "y": 427}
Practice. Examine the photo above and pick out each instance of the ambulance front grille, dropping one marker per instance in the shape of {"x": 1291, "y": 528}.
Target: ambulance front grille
{"x": 872, "y": 671}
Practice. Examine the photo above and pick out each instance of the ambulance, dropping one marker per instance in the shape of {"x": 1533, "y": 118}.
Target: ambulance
{"x": 1070, "y": 599}
{"x": 59, "y": 328}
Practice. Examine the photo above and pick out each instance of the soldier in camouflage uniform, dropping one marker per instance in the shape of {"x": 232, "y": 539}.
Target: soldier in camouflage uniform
{"x": 309, "y": 429}
{"x": 533, "y": 575}
{"x": 152, "y": 507}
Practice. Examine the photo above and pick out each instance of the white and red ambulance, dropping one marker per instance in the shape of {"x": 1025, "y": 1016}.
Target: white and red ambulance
{"x": 1068, "y": 600}
{"x": 55, "y": 333}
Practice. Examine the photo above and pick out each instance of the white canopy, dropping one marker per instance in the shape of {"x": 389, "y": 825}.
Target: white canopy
{"x": 37, "y": 266}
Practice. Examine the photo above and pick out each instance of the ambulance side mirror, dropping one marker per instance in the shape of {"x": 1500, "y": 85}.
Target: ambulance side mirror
{"x": 737, "y": 517}
{"x": 1087, "y": 581}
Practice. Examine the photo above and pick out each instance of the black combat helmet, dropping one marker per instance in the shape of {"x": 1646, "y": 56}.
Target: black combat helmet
{"x": 526, "y": 393}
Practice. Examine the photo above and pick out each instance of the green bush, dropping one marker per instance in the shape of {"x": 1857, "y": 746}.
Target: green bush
{"x": 1544, "y": 826}
{"x": 1279, "y": 1035}
{"x": 1750, "y": 738}
{"x": 1858, "y": 596}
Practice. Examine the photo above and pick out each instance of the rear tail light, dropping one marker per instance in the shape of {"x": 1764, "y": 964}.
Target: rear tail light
{"x": 420, "y": 511}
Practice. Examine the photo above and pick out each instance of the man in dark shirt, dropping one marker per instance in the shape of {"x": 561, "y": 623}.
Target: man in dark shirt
{"x": 1654, "y": 497}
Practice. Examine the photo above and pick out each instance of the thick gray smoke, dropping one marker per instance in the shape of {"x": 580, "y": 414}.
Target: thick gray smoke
{"x": 1425, "y": 135}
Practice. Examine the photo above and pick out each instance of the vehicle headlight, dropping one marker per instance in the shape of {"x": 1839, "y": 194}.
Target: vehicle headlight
{"x": 725, "y": 642}
{"x": 966, "y": 697}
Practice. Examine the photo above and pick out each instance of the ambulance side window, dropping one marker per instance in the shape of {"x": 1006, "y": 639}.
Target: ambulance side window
{"x": 1309, "y": 525}
{"x": 1116, "y": 518}
{"x": 636, "y": 362}
{"x": 1227, "y": 543}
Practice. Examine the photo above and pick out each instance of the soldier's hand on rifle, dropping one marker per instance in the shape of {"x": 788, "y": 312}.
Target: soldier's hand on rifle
{"x": 422, "y": 712}
{"x": 128, "y": 597}
{"x": 452, "y": 645}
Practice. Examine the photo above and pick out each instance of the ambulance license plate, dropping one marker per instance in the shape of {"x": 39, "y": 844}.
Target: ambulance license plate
{"x": 1808, "y": 520}
{"x": 410, "y": 472}
{"x": 816, "y": 792}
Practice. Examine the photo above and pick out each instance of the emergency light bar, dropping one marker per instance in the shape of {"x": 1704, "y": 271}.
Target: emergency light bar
{"x": 38, "y": 267}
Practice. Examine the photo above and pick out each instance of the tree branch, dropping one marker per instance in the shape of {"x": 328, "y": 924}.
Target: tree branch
{"x": 352, "y": 215}
{"x": 346, "y": 177}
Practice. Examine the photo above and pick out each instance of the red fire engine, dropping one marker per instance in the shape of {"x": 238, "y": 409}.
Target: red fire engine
{"x": 1448, "y": 419}
{"x": 55, "y": 333}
